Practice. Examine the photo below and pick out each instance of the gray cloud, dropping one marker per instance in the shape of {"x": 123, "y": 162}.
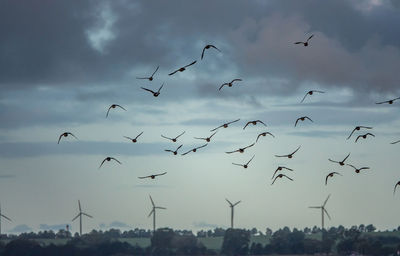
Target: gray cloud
{"x": 115, "y": 224}
{"x": 54, "y": 227}
{"x": 203, "y": 224}
{"x": 22, "y": 228}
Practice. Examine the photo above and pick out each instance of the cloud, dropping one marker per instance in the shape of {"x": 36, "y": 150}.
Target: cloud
{"x": 54, "y": 227}
{"x": 115, "y": 224}
{"x": 23, "y": 228}
{"x": 203, "y": 224}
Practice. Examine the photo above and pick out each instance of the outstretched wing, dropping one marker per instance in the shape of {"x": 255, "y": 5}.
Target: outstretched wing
{"x": 147, "y": 90}
{"x": 144, "y": 177}
{"x": 138, "y": 135}
{"x": 233, "y": 121}
{"x": 59, "y": 138}
{"x": 190, "y": 64}
{"x": 202, "y": 146}
{"x": 297, "y": 120}
{"x": 170, "y": 74}
{"x": 160, "y": 174}
{"x": 120, "y": 107}
{"x": 155, "y": 71}
{"x": 102, "y": 162}
{"x": 310, "y": 38}
{"x": 299, "y": 43}
{"x": 222, "y": 86}
{"x": 202, "y": 53}
{"x": 304, "y": 98}
{"x": 246, "y": 125}
{"x": 351, "y": 133}
{"x": 116, "y": 160}
{"x": 180, "y": 135}
{"x": 108, "y": 111}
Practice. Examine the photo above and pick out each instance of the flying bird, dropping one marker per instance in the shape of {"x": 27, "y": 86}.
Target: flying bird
{"x": 395, "y": 142}
{"x": 153, "y": 176}
{"x": 388, "y": 101}
{"x": 65, "y": 134}
{"x": 290, "y": 155}
{"x": 306, "y": 42}
{"x": 229, "y": 84}
{"x": 240, "y": 150}
{"x": 150, "y": 78}
{"x": 264, "y": 134}
{"x": 134, "y": 140}
{"x": 208, "y": 139}
{"x": 357, "y": 170}
{"x": 254, "y": 123}
{"x": 114, "y": 106}
{"x": 155, "y": 94}
{"x": 173, "y": 139}
{"x": 208, "y": 46}
{"x": 182, "y": 68}
{"x": 194, "y": 150}
{"x": 341, "y": 162}
{"x": 280, "y": 176}
{"x": 331, "y": 175}
{"x": 310, "y": 93}
{"x": 225, "y": 125}
{"x": 246, "y": 164}
{"x": 280, "y": 168}
{"x": 173, "y": 152}
{"x": 357, "y": 128}
{"x": 109, "y": 159}
{"x": 302, "y": 119}
{"x": 395, "y": 186}
{"x": 364, "y": 136}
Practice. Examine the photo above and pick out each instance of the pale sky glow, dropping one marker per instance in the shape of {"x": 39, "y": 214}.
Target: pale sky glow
{"x": 62, "y": 72}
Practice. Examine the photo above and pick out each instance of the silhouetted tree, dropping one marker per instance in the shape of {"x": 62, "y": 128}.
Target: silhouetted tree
{"x": 236, "y": 242}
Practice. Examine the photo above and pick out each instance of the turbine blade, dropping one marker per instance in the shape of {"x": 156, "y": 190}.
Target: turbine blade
{"x": 159, "y": 207}
{"x": 229, "y": 202}
{"x": 76, "y": 217}
{"x": 315, "y": 207}
{"x": 79, "y": 203}
{"x": 326, "y": 200}
{"x": 150, "y": 213}
{"x": 237, "y": 203}
{"x": 327, "y": 213}
{"x": 152, "y": 202}
{"x": 87, "y": 215}
{"x": 5, "y": 217}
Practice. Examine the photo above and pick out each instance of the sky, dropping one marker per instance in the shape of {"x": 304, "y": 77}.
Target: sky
{"x": 63, "y": 63}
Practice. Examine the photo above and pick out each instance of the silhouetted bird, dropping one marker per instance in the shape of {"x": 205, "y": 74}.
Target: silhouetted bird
{"x": 254, "y": 123}
{"x": 224, "y": 125}
{"x": 246, "y": 164}
{"x": 153, "y": 176}
{"x": 114, "y": 106}
{"x": 155, "y": 94}
{"x": 194, "y": 150}
{"x": 397, "y": 184}
{"x": 264, "y": 134}
{"x": 109, "y": 159}
{"x": 357, "y": 129}
{"x": 341, "y": 162}
{"x": 310, "y": 93}
{"x": 173, "y": 139}
{"x": 306, "y": 42}
{"x": 290, "y": 155}
{"x": 357, "y": 170}
{"x": 388, "y": 101}
{"x": 174, "y": 152}
{"x": 302, "y": 119}
{"x": 240, "y": 150}
{"x": 331, "y": 175}
{"x": 149, "y": 78}
{"x": 364, "y": 136}
{"x": 134, "y": 140}
{"x": 182, "y": 68}
{"x": 208, "y": 46}
{"x": 280, "y": 168}
{"x": 208, "y": 139}
{"x": 65, "y": 134}
{"x": 280, "y": 176}
{"x": 229, "y": 84}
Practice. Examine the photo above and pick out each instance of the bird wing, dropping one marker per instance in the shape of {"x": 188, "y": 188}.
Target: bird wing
{"x": 160, "y": 174}
{"x": 159, "y": 89}
{"x": 222, "y": 86}
{"x": 190, "y": 64}
{"x": 155, "y": 71}
{"x": 212, "y": 134}
{"x": 370, "y": 134}
{"x": 202, "y": 146}
{"x": 170, "y": 74}
{"x": 166, "y": 137}
{"x": 359, "y": 136}
{"x": 236, "y": 79}
{"x": 287, "y": 177}
{"x": 129, "y": 138}
{"x": 281, "y": 155}
{"x": 179, "y": 147}
{"x": 202, "y": 53}
{"x": 249, "y": 146}
{"x": 144, "y": 177}
{"x": 275, "y": 173}
{"x": 180, "y": 135}
{"x": 395, "y": 186}
{"x": 318, "y": 91}
{"x": 246, "y": 125}
{"x": 274, "y": 180}
{"x": 147, "y": 90}
{"x": 382, "y": 102}
{"x": 395, "y": 142}
{"x": 295, "y": 150}
{"x": 120, "y": 107}
{"x": 169, "y": 150}
{"x": 234, "y": 121}
{"x": 306, "y": 117}
{"x": 102, "y": 162}
{"x": 138, "y": 135}
{"x": 364, "y": 168}
{"x": 351, "y": 133}
{"x": 115, "y": 160}
{"x": 346, "y": 157}
{"x": 250, "y": 160}
{"x": 187, "y": 152}
{"x": 108, "y": 111}
{"x": 59, "y": 138}
{"x": 310, "y": 38}
{"x": 326, "y": 179}
{"x": 333, "y": 160}
{"x": 237, "y": 164}
{"x": 142, "y": 78}
{"x": 304, "y": 98}
{"x": 365, "y": 127}
{"x": 299, "y": 43}
{"x": 216, "y": 128}
{"x": 215, "y": 47}
{"x": 352, "y": 166}
{"x": 287, "y": 168}
{"x": 259, "y": 136}
{"x": 259, "y": 121}
{"x": 232, "y": 151}
{"x": 297, "y": 120}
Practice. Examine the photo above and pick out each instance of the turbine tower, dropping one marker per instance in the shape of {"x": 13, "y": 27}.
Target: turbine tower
{"x": 80, "y": 217}
{"x": 153, "y": 211}
{"x": 323, "y": 210}
{"x": 232, "y": 209}
{"x": 3, "y": 216}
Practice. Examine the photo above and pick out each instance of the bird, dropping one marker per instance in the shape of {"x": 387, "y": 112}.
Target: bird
{"x": 174, "y": 152}
{"x": 341, "y": 162}
{"x": 302, "y": 119}
{"x": 225, "y": 125}
{"x": 310, "y": 93}
{"x": 182, "y": 68}
{"x": 229, "y": 84}
{"x": 240, "y": 150}
{"x": 264, "y": 134}
{"x": 208, "y": 139}
{"x": 397, "y": 184}
{"x": 208, "y": 46}
{"x": 388, "y": 101}
{"x": 134, "y": 140}
{"x": 155, "y": 94}
{"x": 109, "y": 159}
{"x": 331, "y": 175}
{"x": 173, "y": 139}
{"x": 290, "y": 155}
{"x": 150, "y": 78}
{"x": 306, "y": 42}
{"x": 280, "y": 168}
{"x": 254, "y": 123}
{"x": 153, "y": 176}
{"x": 246, "y": 164}
{"x": 357, "y": 128}
{"x": 280, "y": 176}
{"x": 364, "y": 136}
{"x": 357, "y": 170}
{"x": 114, "y": 106}
{"x": 394, "y": 142}
{"x": 194, "y": 150}
{"x": 65, "y": 134}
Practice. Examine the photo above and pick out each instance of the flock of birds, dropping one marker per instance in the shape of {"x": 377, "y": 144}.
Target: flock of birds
{"x": 279, "y": 172}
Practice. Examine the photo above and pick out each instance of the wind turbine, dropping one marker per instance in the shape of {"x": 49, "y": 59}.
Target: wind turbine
{"x": 80, "y": 217}
{"x": 3, "y": 216}
{"x": 153, "y": 211}
{"x": 232, "y": 209}
{"x": 323, "y": 210}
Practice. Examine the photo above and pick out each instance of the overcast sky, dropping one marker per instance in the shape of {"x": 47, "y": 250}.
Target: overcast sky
{"x": 63, "y": 63}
